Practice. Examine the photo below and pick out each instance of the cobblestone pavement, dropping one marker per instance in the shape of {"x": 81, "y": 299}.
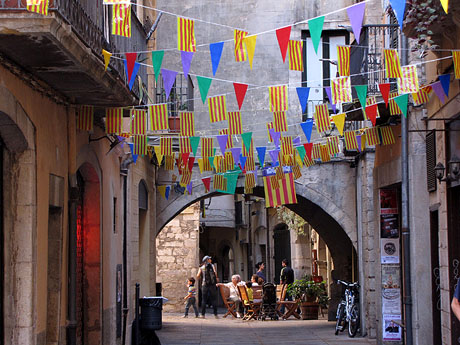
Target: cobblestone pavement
{"x": 229, "y": 331}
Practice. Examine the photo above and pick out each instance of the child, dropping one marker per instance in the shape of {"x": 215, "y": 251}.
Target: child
{"x": 250, "y": 291}
{"x": 191, "y": 297}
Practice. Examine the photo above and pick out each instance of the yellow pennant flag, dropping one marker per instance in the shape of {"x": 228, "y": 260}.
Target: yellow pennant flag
{"x": 107, "y": 56}
{"x": 445, "y": 5}
{"x": 162, "y": 190}
{"x": 250, "y": 42}
{"x": 339, "y": 121}
{"x": 298, "y": 159}
{"x": 158, "y": 153}
{"x": 201, "y": 165}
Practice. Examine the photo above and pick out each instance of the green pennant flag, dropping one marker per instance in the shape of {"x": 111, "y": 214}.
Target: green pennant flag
{"x": 361, "y": 90}
{"x": 232, "y": 179}
{"x": 194, "y": 142}
{"x": 157, "y": 60}
{"x": 302, "y": 152}
{"x": 211, "y": 161}
{"x": 203, "y": 84}
{"x": 214, "y": 149}
{"x": 315, "y": 26}
{"x": 247, "y": 137}
{"x": 402, "y": 102}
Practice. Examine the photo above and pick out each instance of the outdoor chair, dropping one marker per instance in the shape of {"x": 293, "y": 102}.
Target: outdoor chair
{"x": 290, "y": 306}
{"x": 257, "y": 293}
{"x": 229, "y": 304}
{"x": 252, "y": 309}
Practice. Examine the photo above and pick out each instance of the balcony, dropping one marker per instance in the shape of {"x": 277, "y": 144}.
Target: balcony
{"x": 64, "y": 50}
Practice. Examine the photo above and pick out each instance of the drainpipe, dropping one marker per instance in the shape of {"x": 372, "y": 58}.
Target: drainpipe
{"x": 72, "y": 313}
{"x": 124, "y": 172}
{"x": 407, "y": 299}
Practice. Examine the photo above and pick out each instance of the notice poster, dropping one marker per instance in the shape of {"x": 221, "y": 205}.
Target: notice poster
{"x": 391, "y": 329}
{"x": 389, "y": 251}
{"x": 390, "y": 277}
{"x": 389, "y": 226}
{"x": 391, "y": 301}
{"x": 388, "y": 201}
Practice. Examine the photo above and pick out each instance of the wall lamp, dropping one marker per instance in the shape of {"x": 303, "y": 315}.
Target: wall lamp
{"x": 454, "y": 170}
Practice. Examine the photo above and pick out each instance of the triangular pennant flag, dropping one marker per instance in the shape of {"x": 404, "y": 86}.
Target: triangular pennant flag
{"x": 167, "y": 191}
{"x": 206, "y": 183}
{"x": 203, "y": 84}
{"x": 361, "y": 90}
{"x": 107, "y": 55}
{"x": 402, "y": 102}
{"x": 194, "y": 142}
{"x": 308, "y": 149}
{"x": 250, "y": 42}
{"x": 275, "y": 136}
{"x": 216, "y": 52}
{"x": 339, "y": 121}
{"x": 302, "y": 151}
{"x": 130, "y": 61}
{"x": 303, "y": 93}
{"x": 191, "y": 161}
{"x": 445, "y": 5}
{"x": 162, "y": 190}
{"x": 439, "y": 91}
{"x": 201, "y": 164}
{"x": 261, "y": 154}
{"x": 356, "y": 16}
{"x": 274, "y": 155}
{"x": 283, "y": 36}
{"x": 157, "y": 60}
{"x": 445, "y": 82}
{"x": 243, "y": 160}
{"x": 399, "y": 7}
{"x": 158, "y": 154}
{"x": 247, "y": 138}
{"x": 385, "y": 91}
{"x": 169, "y": 77}
{"x": 235, "y": 153}
{"x": 315, "y": 26}
{"x": 358, "y": 140}
{"x": 231, "y": 182}
{"x": 222, "y": 140}
{"x": 371, "y": 112}
{"x": 189, "y": 188}
{"x": 296, "y": 141}
{"x": 186, "y": 61}
{"x": 185, "y": 156}
{"x": 307, "y": 126}
{"x": 133, "y": 73}
{"x": 240, "y": 93}
{"x": 329, "y": 95}
{"x": 211, "y": 160}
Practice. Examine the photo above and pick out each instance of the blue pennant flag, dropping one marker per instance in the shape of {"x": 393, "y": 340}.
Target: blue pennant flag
{"x": 261, "y": 153}
{"x": 133, "y": 75}
{"x": 216, "y": 53}
{"x": 307, "y": 127}
{"x": 243, "y": 160}
{"x": 131, "y": 146}
{"x": 445, "y": 82}
{"x": 303, "y": 93}
{"x": 167, "y": 190}
{"x": 399, "y": 7}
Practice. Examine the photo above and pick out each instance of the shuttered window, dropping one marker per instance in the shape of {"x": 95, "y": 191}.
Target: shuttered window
{"x": 431, "y": 161}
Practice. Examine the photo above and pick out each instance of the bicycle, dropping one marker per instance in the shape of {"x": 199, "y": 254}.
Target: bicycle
{"x": 348, "y": 310}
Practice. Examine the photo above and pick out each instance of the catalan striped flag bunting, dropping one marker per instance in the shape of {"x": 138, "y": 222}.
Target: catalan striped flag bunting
{"x": 274, "y": 182}
{"x": 38, "y": 6}
{"x": 186, "y": 35}
{"x": 325, "y": 156}
{"x": 249, "y": 182}
{"x": 138, "y": 122}
{"x": 270, "y": 126}
{"x": 283, "y": 195}
{"x": 322, "y": 121}
{"x": 217, "y": 108}
{"x": 387, "y": 135}
{"x": 169, "y": 163}
{"x": 392, "y": 64}
{"x": 308, "y": 162}
{"x": 240, "y": 49}
{"x": 394, "y": 109}
{"x": 121, "y": 20}
{"x": 185, "y": 178}
{"x": 207, "y": 147}
{"x": 295, "y": 55}
{"x": 372, "y": 136}
{"x": 159, "y": 117}
{"x": 287, "y": 147}
{"x": 229, "y": 163}
{"x": 316, "y": 151}
{"x": 218, "y": 163}
{"x": 350, "y": 140}
{"x": 372, "y": 100}
{"x": 333, "y": 145}
{"x": 218, "y": 183}
{"x": 343, "y": 61}
{"x": 279, "y": 172}
{"x": 140, "y": 145}
{"x": 341, "y": 90}
{"x": 114, "y": 120}
{"x": 250, "y": 164}
{"x": 296, "y": 172}
{"x": 422, "y": 96}
{"x": 280, "y": 121}
{"x": 229, "y": 138}
{"x": 150, "y": 151}
{"x": 456, "y": 59}
{"x": 278, "y": 98}
{"x": 187, "y": 124}
{"x": 166, "y": 146}
{"x": 184, "y": 145}
{"x": 235, "y": 125}
{"x": 409, "y": 81}
{"x": 114, "y": 2}
{"x": 85, "y": 118}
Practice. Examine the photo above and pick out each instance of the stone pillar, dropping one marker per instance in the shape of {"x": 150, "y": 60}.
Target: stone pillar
{"x": 301, "y": 253}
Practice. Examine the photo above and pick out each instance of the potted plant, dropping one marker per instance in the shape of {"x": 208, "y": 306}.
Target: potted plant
{"x": 308, "y": 293}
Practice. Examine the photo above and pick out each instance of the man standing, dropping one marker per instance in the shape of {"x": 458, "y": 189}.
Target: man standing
{"x": 287, "y": 273}
{"x": 208, "y": 275}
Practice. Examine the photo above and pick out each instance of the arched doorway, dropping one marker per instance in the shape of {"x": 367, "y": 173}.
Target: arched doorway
{"x": 144, "y": 262}
{"x": 282, "y": 248}
{"x": 88, "y": 258}
{"x": 228, "y": 264}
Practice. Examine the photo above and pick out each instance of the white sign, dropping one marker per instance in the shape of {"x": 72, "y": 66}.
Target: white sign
{"x": 391, "y": 327}
{"x": 391, "y": 301}
{"x": 389, "y": 250}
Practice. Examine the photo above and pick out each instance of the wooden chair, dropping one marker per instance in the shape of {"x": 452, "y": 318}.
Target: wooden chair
{"x": 257, "y": 293}
{"x": 290, "y": 306}
{"x": 225, "y": 293}
{"x": 252, "y": 308}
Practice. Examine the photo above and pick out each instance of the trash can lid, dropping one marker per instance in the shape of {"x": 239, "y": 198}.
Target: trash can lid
{"x": 156, "y": 297}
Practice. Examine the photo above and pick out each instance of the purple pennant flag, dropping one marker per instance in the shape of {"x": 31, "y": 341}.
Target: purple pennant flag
{"x": 168, "y": 189}
{"x": 169, "y": 77}
{"x": 274, "y": 155}
{"x": 275, "y": 136}
{"x": 329, "y": 95}
{"x": 243, "y": 160}
{"x": 236, "y": 154}
{"x": 358, "y": 140}
{"x": 189, "y": 188}
{"x": 445, "y": 82}
{"x": 439, "y": 91}
{"x": 296, "y": 141}
{"x": 186, "y": 61}
{"x": 356, "y": 16}
{"x": 222, "y": 140}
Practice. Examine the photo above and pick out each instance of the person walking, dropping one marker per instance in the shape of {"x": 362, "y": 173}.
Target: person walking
{"x": 286, "y": 277}
{"x": 191, "y": 297}
{"x": 208, "y": 275}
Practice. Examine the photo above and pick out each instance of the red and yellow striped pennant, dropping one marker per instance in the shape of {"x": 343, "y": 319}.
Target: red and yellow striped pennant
{"x": 38, "y": 6}
{"x": 159, "y": 117}
{"x": 240, "y": 49}
{"x": 372, "y": 136}
{"x": 280, "y": 121}
{"x": 184, "y": 145}
{"x": 394, "y": 108}
{"x": 229, "y": 138}
{"x": 388, "y": 137}
{"x": 295, "y": 55}
{"x": 150, "y": 151}
{"x": 333, "y": 145}
{"x": 341, "y": 90}
{"x": 206, "y": 164}
{"x": 409, "y": 81}
{"x": 138, "y": 122}
{"x": 249, "y": 181}
{"x": 275, "y": 182}
{"x": 422, "y": 96}
{"x": 113, "y": 2}
{"x": 217, "y": 108}
{"x": 250, "y": 164}
{"x": 114, "y": 120}
{"x": 207, "y": 147}
{"x": 140, "y": 145}
{"x": 370, "y": 101}
{"x": 343, "y": 61}
{"x": 322, "y": 121}
{"x": 166, "y": 148}
{"x": 296, "y": 172}
{"x": 308, "y": 162}
{"x": 288, "y": 160}
{"x": 278, "y": 98}
{"x": 350, "y": 140}
{"x": 279, "y": 172}
{"x": 235, "y": 125}
{"x": 250, "y": 152}
{"x": 324, "y": 154}
{"x": 287, "y": 148}
{"x": 219, "y": 163}
{"x": 284, "y": 194}
{"x": 392, "y": 64}
{"x": 185, "y": 178}
{"x": 187, "y": 124}
{"x": 186, "y": 35}
{"x": 456, "y": 58}
{"x": 316, "y": 151}
{"x": 269, "y": 126}
{"x": 121, "y": 20}
{"x": 218, "y": 183}
{"x": 169, "y": 163}
{"x": 85, "y": 118}
{"x": 229, "y": 163}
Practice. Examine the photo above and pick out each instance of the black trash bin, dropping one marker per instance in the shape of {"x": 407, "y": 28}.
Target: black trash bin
{"x": 151, "y": 313}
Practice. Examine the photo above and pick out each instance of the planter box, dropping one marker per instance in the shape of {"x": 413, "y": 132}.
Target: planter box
{"x": 309, "y": 310}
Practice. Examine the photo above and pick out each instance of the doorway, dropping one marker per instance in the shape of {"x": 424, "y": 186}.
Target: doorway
{"x": 453, "y": 202}
{"x": 282, "y": 241}
{"x": 435, "y": 278}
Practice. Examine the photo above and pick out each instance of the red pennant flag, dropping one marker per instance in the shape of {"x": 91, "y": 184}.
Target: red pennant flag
{"x": 371, "y": 112}
{"x": 191, "y": 161}
{"x": 185, "y": 158}
{"x": 240, "y": 92}
{"x": 308, "y": 148}
{"x": 385, "y": 91}
{"x": 207, "y": 183}
{"x": 130, "y": 60}
{"x": 283, "y": 36}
